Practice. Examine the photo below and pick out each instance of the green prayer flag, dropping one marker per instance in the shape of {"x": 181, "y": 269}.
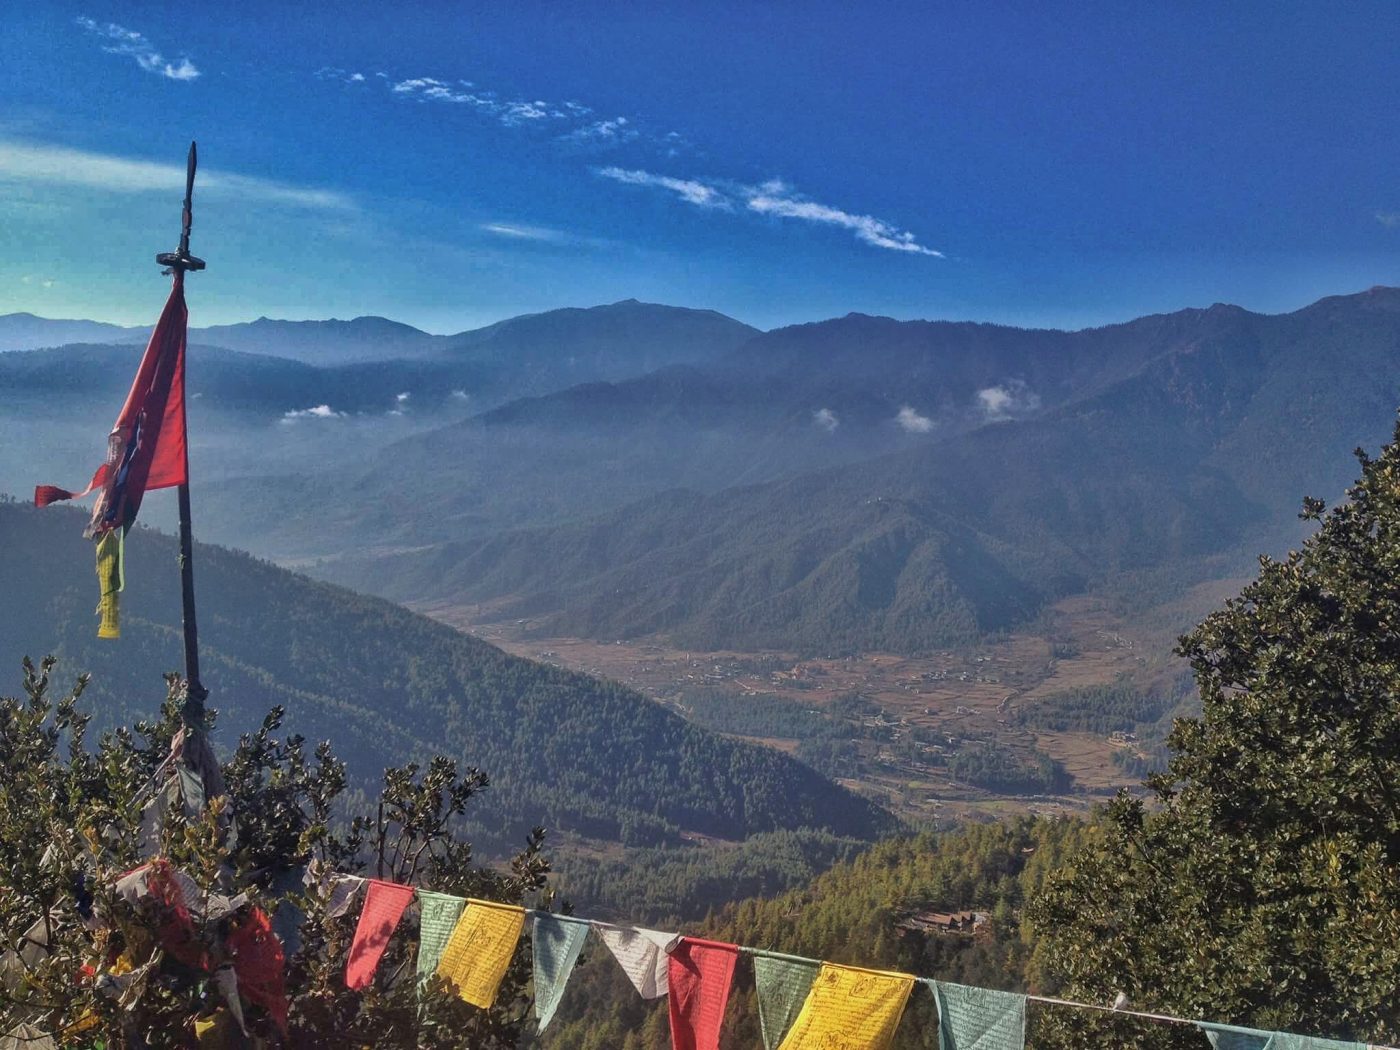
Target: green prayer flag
{"x": 440, "y": 912}
{"x": 783, "y": 985}
{"x": 1229, "y": 1037}
{"x": 556, "y": 944}
{"x": 978, "y": 1018}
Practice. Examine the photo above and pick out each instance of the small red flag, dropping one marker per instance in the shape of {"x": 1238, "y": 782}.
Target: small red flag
{"x": 146, "y": 448}
{"x": 258, "y": 961}
{"x": 384, "y": 906}
{"x": 700, "y": 975}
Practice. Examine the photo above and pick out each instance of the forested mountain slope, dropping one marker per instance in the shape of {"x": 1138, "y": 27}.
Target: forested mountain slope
{"x": 851, "y": 914}
{"x": 564, "y": 750}
{"x": 1203, "y": 448}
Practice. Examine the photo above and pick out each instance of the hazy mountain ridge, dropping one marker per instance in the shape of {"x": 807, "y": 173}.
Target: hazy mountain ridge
{"x": 1198, "y": 449}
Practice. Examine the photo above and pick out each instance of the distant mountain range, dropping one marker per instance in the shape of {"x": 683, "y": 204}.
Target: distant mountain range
{"x": 601, "y": 342}
{"x": 386, "y": 686}
{"x": 853, "y": 483}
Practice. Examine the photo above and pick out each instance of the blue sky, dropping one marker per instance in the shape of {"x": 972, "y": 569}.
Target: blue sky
{"x": 449, "y": 164}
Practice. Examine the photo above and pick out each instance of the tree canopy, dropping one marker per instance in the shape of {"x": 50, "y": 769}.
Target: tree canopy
{"x": 1262, "y": 886}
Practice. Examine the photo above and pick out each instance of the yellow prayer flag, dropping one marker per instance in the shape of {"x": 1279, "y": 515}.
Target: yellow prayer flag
{"x": 480, "y": 949}
{"x": 850, "y": 1009}
{"x": 110, "y": 580}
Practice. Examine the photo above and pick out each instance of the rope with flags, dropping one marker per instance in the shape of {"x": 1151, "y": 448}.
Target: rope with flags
{"x": 803, "y": 1004}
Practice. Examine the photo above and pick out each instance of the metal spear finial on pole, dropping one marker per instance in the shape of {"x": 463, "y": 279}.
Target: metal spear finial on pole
{"x": 179, "y": 262}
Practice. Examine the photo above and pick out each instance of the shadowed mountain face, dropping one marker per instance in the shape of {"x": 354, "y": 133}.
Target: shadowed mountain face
{"x": 387, "y": 686}
{"x": 1196, "y": 436}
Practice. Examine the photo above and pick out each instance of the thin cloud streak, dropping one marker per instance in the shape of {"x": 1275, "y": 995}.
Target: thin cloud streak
{"x": 38, "y": 163}
{"x": 128, "y": 42}
{"x": 688, "y": 190}
{"x": 778, "y": 199}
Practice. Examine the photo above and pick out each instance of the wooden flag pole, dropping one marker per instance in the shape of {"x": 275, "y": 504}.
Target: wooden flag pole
{"x": 180, "y": 262}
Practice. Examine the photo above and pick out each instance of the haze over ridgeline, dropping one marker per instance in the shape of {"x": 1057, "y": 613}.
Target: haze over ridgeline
{"x": 856, "y": 483}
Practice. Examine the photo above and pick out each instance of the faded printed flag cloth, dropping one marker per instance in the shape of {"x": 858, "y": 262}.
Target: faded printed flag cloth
{"x": 700, "y": 973}
{"x": 782, "y": 984}
{"x": 978, "y": 1018}
{"x": 851, "y": 1008}
{"x": 1230, "y": 1037}
{"x": 480, "y": 949}
{"x": 556, "y": 943}
{"x": 438, "y": 916}
{"x": 642, "y": 954}
{"x": 384, "y": 906}
{"x": 146, "y": 449}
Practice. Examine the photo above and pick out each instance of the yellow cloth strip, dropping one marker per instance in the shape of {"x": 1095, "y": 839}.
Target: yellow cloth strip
{"x": 480, "y": 949}
{"x": 850, "y": 1008}
{"x": 110, "y": 580}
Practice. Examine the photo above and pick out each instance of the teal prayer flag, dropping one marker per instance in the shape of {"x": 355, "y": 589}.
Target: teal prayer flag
{"x": 978, "y": 1018}
{"x": 556, "y": 943}
{"x": 782, "y": 985}
{"x": 1230, "y": 1037}
{"x": 440, "y": 912}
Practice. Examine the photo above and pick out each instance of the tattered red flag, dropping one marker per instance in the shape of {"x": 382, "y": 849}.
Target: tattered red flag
{"x": 259, "y": 963}
{"x": 146, "y": 449}
{"x": 700, "y": 975}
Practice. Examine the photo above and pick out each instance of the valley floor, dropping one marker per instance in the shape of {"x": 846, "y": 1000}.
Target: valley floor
{"x": 916, "y": 710}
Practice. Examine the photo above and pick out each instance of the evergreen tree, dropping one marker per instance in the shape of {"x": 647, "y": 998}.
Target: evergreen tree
{"x": 1262, "y": 887}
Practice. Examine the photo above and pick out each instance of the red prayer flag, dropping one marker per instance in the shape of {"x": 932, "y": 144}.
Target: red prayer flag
{"x": 700, "y": 976}
{"x": 147, "y": 447}
{"x": 384, "y": 906}
{"x": 258, "y": 963}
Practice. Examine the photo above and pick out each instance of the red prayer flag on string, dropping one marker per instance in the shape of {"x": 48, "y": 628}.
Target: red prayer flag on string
{"x": 384, "y": 906}
{"x": 147, "y": 446}
{"x": 700, "y": 976}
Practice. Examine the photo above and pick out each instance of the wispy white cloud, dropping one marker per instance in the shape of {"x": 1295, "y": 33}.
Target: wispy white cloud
{"x": 34, "y": 279}
{"x": 608, "y": 133}
{"x": 118, "y": 40}
{"x": 912, "y": 422}
{"x": 40, "y": 163}
{"x": 688, "y": 190}
{"x": 826, "y": 419}
{"x": 510, "y": 112}
{"x": 1388, "y": 219}
{"x": 1007, "y": 400}
{"x": 526, "y": 233}
{"x": 775, "y": 198}
{"x": 344, "y": 76}
{"x": 317, "y": 412}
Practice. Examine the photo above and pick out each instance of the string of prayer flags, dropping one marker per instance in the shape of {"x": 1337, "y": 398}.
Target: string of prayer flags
{"x": 1230, "y": 1037}
{"x": 556, "y": 943}
{"x": 700, "y": 974}
{"x": 642, "y": 954}
{"x": 480, "y": 949}
{"x": 851, "y": 1008}
{"x": 783, "y": 984}
{"x": 384, "y": 906}
{"x": 978, "y": 1018}
{"x": 439, "y": 913}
